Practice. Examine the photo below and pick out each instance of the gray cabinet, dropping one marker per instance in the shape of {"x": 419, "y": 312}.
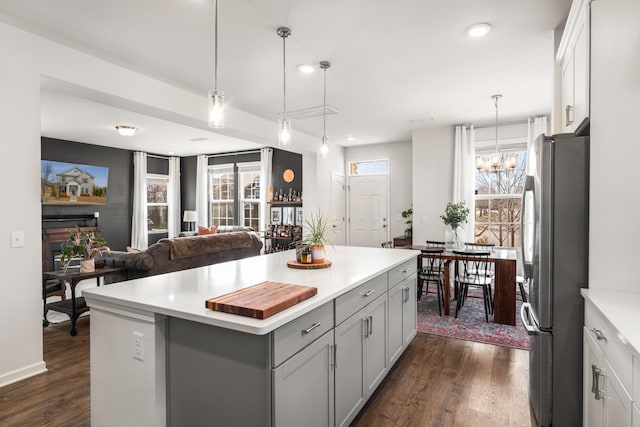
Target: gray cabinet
{"x": 361, "y": 358}
{"x": 303, "y": 386}
{"x": 402, "y": 317}
{"x": 594, "y": 384}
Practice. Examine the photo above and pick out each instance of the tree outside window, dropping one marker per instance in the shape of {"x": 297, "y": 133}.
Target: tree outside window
{"x": 498, "y": 200}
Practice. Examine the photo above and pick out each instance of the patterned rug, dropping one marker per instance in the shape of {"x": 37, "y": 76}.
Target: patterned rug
{"x": 470, "y": 324}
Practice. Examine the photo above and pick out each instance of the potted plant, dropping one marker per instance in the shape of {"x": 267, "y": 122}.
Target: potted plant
{"x": 84, "y": 245}
{"x": 454, "y": 215}
{"x": 317, "y": 227}
{"x": 408, "y": 215}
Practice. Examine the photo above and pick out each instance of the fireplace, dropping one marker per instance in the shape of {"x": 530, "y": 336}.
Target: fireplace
{"x": 53, "y": 237}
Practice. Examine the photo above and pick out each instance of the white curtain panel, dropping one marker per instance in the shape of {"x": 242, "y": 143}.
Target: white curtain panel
{"x": 464, "y": 180}
{"x": 537, "y": 126}
{"x": 173, "y": 197}
{"x": 202, "y": 202}
{"x": 139, "y": 236}
{"x": 266, "y": 161}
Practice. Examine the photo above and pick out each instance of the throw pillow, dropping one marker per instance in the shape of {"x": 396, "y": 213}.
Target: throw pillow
{"x": 204, "y": 230}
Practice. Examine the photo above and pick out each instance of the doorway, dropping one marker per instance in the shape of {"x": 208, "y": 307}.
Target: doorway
{"x": 368, "y": 210}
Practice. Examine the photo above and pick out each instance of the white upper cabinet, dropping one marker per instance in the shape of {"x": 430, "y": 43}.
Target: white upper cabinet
{"x": 573, "y": 57}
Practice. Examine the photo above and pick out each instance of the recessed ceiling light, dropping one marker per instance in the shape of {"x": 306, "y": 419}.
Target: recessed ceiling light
{"x": 305, "y": 69}
{"x": 478, "y": 30}
{"x": 171, "y": 153}
{"x": 126, "y": 130}
{"x": 350, "y": 138}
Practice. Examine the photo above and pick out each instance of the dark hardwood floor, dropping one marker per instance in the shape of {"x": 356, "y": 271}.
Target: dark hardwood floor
{"x": 438, "y": 382}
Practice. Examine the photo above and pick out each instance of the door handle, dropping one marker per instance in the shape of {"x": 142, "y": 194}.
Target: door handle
{"x": 384, "y": 225}
{"x": 596, "y": 373}
{"x": 366, "y": 327}
{"x": 599, "y": 335}
{"x": 525, "y": 318}
{"x": 369, "y": 293}
{"x": 311, "y": 328}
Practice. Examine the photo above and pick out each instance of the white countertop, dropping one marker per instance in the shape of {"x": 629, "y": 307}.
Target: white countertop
{"x": 182, "y": 294}
{"x": 622, "y": 308}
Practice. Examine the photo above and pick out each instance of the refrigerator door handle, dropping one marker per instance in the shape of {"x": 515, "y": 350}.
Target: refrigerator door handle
{"x": 528, "y": 225}
{"x": 526, "y": 319}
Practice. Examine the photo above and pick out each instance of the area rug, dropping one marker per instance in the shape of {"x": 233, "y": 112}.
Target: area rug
{"x": 470, "y": 324}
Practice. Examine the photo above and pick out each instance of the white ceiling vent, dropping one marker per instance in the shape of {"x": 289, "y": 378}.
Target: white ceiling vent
{"x": 306, "y": 113}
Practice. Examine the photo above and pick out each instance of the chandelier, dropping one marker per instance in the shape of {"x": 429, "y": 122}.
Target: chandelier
{"x": 495, "y": 162}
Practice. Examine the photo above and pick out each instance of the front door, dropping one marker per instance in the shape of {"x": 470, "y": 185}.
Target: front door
{"x": 368, "y": 210}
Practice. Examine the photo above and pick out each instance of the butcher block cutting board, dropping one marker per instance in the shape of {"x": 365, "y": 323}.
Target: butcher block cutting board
{"x": 262, "y": 300}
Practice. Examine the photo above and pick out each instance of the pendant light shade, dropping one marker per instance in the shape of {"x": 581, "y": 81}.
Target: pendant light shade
{"x": 324, "y": 145}
{"x": 284, "y": 128}
{"x": 216, "y": 97}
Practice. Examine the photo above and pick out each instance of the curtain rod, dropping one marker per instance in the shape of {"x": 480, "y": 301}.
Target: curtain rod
{"x": 232, "y": 154}
{"x": 157, "y": 156}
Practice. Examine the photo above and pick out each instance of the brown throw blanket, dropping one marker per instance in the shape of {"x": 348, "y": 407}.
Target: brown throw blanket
{"x": 185, "y": 247}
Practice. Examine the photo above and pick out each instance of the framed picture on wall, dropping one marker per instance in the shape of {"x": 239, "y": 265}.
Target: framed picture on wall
{"x": 276, "y": 215}
{"x": 287, "y": 215}
{"x": 299, "y": 216}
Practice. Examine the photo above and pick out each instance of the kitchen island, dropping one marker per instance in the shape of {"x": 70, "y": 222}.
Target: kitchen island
{"x": 159, "y": 357}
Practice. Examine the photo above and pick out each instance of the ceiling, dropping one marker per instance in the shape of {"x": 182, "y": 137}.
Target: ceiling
{"x": 396, "y": 66}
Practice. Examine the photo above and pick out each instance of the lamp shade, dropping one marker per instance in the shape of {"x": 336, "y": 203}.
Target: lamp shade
{"x": 190, "y": 216}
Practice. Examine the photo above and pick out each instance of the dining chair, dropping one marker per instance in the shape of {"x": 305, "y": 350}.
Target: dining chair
{"x": 473, "y": 271}
{"x": 388, "y": 244}
{"x": 431, "y": 271}
{"x": 435, "y": 244}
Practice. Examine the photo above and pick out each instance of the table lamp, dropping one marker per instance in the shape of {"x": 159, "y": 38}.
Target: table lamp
{"x": 190, "y": 217}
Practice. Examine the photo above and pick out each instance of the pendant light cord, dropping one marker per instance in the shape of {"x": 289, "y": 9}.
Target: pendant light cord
{"x": 284, "y": 77}
{"x": 324, "y": 107}
{"x": 497, "y": 98}
{"x": 215, "y": 55}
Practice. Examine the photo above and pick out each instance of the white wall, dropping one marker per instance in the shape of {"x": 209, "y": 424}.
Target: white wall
{"x": 21, "y": 285}
{"x": 400, "y": 177}
{"x": 615, "y": 146}
{"x": 432, "y": 181}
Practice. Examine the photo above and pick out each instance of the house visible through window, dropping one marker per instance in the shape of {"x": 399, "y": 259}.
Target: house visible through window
{"x": 499, "y": 194}
{"x": 157, "y": 206}
{"x": 234, "y": 194}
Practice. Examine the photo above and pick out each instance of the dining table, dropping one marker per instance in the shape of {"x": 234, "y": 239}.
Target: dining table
{"x": 504, "y": 260}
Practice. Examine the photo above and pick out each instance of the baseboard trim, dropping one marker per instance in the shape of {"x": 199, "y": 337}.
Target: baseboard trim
{"x": 22, "y": 373}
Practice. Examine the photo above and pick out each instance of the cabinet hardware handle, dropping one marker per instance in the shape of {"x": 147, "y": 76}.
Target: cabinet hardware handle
{"x": 370, "y": 325}
{"x": 406, "y": 270}
{"x": 406, "y": 298}
{"x": 568, "y": 110}
{"x": 599, "y": 335}
{"x": 366, "y": 326}
{"x": 595, "y": 385}
{"x": 335, "y": 356}
{"x": 371, "y": 292}
{"x": 311, "y": 328}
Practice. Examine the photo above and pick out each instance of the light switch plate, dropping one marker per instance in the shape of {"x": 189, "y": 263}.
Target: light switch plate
{"x": 17, "y": 239}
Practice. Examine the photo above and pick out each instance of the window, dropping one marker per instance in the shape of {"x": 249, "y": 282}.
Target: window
{"x": 369, "y": 167}
{"x": 157, "y": 206}
{"x": 234, "y": 194}
{"x": 221, "y": 195}
{"x": 499, "y": 197}
{"x": 249, "y": 185}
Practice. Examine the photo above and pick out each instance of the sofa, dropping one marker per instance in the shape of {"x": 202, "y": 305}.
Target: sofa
{"x": 182, "y": 253}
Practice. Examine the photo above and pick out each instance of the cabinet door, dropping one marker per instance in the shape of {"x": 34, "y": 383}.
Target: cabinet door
{"x": 409, "y": 311}
{"x": 303, "y": 386}
{"x": 593, "y": 383}
{"x": 396, "y": 322}
{"x": 349, "y": 370}
{"x": 376, "y": 361}
{"x": 581, "y": 69}
{"x": 618, "y": 406}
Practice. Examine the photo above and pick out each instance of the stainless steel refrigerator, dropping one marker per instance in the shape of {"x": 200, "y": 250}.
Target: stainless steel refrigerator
{"x": 555, "y": 238}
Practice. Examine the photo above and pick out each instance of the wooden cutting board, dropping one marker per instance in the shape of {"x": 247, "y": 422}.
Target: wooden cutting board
{"x": 262, "y": 300}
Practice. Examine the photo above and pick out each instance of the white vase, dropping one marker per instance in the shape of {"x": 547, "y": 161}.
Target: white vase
{"x": 454, "y": 238}
{"x": 87, "y": 265}
{"x": 317, "y": 254}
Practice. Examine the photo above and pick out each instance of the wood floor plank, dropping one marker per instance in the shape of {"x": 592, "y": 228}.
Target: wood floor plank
{"x": 437, "y": 382}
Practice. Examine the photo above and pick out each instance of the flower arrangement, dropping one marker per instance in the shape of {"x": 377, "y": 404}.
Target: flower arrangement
{"x": 82, "y": 244}
{"x": 455, "y": 214}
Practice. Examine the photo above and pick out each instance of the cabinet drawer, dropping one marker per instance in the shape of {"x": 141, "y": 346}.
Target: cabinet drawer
{"x": 399, "y": 273}
{"x": 297, "y": 334}
{"x": 355, "y": 299}
{"x": 612, "y": 345}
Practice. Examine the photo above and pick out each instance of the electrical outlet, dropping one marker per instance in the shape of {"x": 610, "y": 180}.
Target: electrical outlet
{"x": 17, "y": 239}
{"x": 138, "y": 346}
{"x": 424, "y": 219}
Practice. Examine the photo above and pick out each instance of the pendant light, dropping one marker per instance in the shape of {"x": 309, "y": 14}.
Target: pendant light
{"x": 324, "y": 146}
{"x": 216, "y": 97}
{"x": 494, "y": 161}
{"x": 284, "y": 125}
{"x": 495, "y": 157}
